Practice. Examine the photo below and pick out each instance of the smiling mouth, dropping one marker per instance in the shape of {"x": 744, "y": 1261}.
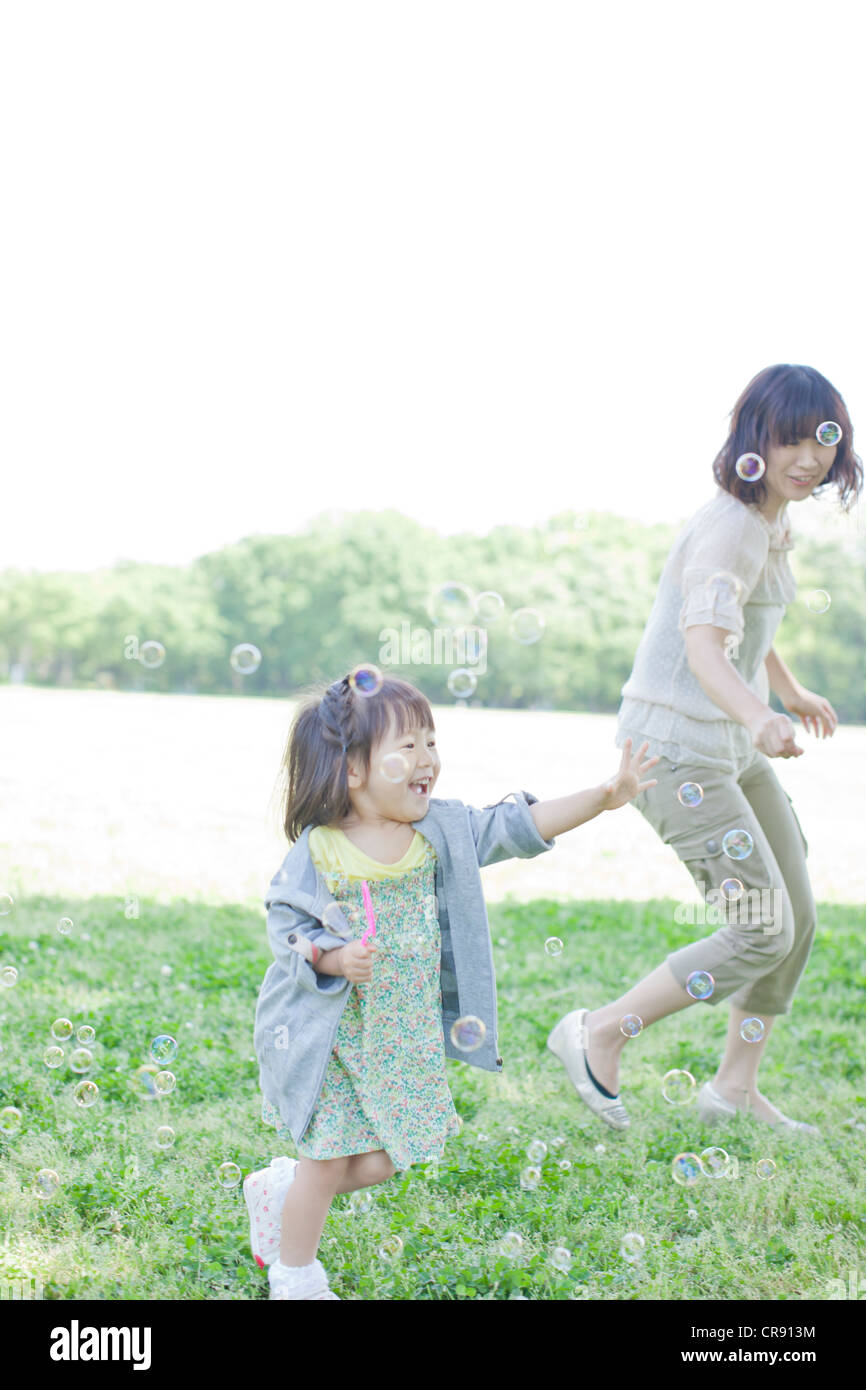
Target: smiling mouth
{"x": 802, "y": 481}
{"x": 421, "y": 787}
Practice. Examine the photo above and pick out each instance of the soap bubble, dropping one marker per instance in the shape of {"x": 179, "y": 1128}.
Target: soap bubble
{"x": 10, "y": 1120}
{"x": 360, "y": 1202}
{"x": 560, "y": 1258}
{"x": 395, "y": 768}
{"x": 451, "y": 605}
{"x": 366, "y": 679}
{"x": 686, "y": 1169}
{"x": 700, "y": 984}
{"x": 600, "y": 1149}
{"x": 750, "y": 467}
{"x": 751, "y": 1030}
{"x": 818, "y": 601}
{"x": 6, "y": 904}
{"x": 163, "y": 1049}
{"x": 468, "y": 1033}
{"x": 632, "y": 1247}
{"x": 61, "y": 1029}
{"x": 86, "y": 1093}
{"x": 151, "y": 654}
{"x": 489, "y": 607}
{"x": 53, "y": 1056}
{"x": 164, "y": 1082}
{"x": 511, "y": 1244}
{"x": 142, "y": 1081}
{"x": 738, "y": 844}
{"x": 565, "y": 1165}
{"x": 65, "y": 925}
{"x": 85, "y": 1033}
{"x": 678, "y": 1087}
{"x": 245, "y": 659}
{"x": 553, "y": 946}
{"x": 9, "y": 976}
{"x": 164, "y": 1137}
{"x": 391, "y": 1248}
{"x": 630, "y": 1025}
{"x": 765, "y": 1168}
{"x": 46, "y": 1183}
{"x": 530, "y": 1178}
{"x": 536, "y": 1151}
{"x": 731, "y": 889}
{"x": 828, "y": 432}
{"x": 715, "y": 1163}
{"x": 81, "y": 1059}
{"x": 462, "y": 683}
{"x": 558, "y": 1141}
{"x": 692, "y": 1213}
{"x": 228, "y": 1175}
{"x": 690, "y": 794}
{"x": 526, "y": 626}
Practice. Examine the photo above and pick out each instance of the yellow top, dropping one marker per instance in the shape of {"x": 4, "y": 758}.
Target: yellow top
{"x": 333, "y": 852}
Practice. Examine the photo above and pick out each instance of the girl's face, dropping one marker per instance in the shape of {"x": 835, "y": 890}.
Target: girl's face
{"x": 404, "y": 769}
{"x": 795, "y": 470}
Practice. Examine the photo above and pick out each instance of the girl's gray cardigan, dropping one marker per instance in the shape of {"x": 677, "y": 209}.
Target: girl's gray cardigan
{"x": 298, "y": 1010}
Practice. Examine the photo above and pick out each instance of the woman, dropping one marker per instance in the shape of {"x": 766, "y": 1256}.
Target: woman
{"x": 699, "y": 692}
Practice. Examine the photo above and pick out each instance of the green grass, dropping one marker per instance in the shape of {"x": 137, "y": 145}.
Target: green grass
{"x": 132, "y": 1222}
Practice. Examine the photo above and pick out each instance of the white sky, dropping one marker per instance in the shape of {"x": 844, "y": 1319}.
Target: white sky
{"x": 478, "y": 262}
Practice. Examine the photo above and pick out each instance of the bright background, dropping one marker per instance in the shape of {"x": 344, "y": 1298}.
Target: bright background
{"x": 477, "y": 262}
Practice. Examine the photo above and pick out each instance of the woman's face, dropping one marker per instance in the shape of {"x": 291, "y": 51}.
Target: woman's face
{"x": 795, "y": 470}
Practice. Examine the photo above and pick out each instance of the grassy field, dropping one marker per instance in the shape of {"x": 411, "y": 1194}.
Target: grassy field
{"x": 131, "y": 1221}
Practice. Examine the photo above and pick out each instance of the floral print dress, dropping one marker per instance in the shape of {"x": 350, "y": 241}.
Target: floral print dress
{"x": 385, "y": 1086}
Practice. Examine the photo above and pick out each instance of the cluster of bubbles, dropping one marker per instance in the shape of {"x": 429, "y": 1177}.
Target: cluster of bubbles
{"x": 751, "y": 467}
{"x": 687, "y": 1169}
{"x": 454, "y": 605}
{"x": 468, "y": 1033}
{"x": 245, "y": 658}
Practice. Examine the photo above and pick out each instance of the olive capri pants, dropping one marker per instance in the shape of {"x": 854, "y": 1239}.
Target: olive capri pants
{"x": 758, "y": 954}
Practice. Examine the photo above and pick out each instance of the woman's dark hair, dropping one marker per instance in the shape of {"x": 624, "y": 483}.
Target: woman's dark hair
{"x": 332, "y": 722}
{"x": 782, "y": 405}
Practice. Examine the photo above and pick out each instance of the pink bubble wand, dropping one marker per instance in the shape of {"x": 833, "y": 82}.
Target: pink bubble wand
{"x": 368, "y": 908}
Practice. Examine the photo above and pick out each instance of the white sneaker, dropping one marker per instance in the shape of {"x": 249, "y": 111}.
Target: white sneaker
{"x": 308, "y": 1282}
{"x": 264, "y": 1194}
{"x": 712, "y": 1107}
{"x": 566, "y": 1041}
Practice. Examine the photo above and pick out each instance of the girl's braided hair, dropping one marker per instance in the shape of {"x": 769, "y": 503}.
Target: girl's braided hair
{"x": 332, "y": 723}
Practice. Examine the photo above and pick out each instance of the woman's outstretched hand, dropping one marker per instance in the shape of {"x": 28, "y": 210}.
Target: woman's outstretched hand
{"x": 817, "y": 714}
{"x": 627, "y": 783}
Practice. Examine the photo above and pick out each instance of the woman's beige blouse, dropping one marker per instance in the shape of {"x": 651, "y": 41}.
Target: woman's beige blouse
{"x": 728, "y": 567}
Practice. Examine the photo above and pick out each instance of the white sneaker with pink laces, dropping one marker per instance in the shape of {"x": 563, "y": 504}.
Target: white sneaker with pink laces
{"x": 264, "y": 1194}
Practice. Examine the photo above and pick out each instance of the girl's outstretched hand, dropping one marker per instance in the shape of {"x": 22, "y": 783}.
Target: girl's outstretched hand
{"x": 626, "y": 784}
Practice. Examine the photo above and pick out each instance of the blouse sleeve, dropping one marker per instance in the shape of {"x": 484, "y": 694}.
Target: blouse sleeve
{"x": 720, "y": 569}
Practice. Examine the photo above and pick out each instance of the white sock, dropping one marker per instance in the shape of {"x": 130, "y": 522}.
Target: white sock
{"x": 297, "y": 1277}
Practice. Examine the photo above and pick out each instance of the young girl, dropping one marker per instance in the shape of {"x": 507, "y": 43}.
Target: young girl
{"x": 382, "y": 956}
{"x": 699, "y": 692}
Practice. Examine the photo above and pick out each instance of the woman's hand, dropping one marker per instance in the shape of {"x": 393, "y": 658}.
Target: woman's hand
{"x": 626, "y": 784}
{"x": 814, "y": 711}
{"x": 773, "y": 735}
